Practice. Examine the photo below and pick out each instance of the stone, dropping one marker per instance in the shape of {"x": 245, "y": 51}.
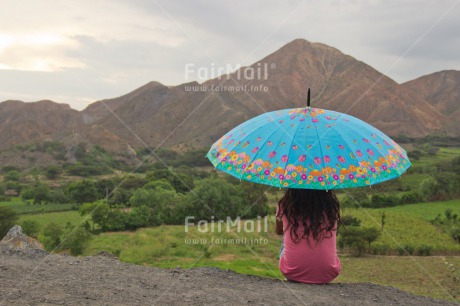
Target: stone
{"x": 16, "y": 242}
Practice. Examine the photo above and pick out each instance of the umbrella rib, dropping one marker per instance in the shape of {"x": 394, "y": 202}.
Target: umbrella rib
{"x": 320, "y": 145}
{"x": 290, "y": 148}
{"x": 380, "y": 151}
{"x": 346, "y": 143}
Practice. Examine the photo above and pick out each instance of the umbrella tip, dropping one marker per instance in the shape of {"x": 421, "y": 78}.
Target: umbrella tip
{"x": 308, "y": 97}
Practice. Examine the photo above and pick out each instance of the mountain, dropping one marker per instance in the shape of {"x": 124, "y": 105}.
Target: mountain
{"x": 192, "y": 115}
{"x": 22, "y": 122}
{"x": 442, "y": 90}
{"x": 196, "y": 115}
{"x": 100, "y": 109}
{"x": 342, "y": 83}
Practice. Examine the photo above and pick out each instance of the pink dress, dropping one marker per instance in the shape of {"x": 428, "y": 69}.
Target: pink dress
{"x": 316, "y": 263}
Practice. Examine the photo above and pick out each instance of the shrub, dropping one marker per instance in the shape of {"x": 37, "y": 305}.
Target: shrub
{"x": 79, "y": 169}
{"x": 424, "y": 250}
{"x": 12, "y": 175}
{"x": 120, "y": 196}
{"x": 350, "y": 220}
{"x": 215, "y": 197}
{"x": 180, "y": 181}
{"x": 6, "y": 169}
{"x": 52, "y": 236}
{"x": 132, "y": 182}
{"x": 429, "y": 188}
{"x": 455, "y": 233}
{"x": 415, "y": 154}
{"x": 52, "y": 172}
{"x": 30, "y": 228}
{"x": 405, "y": 250}
{"x": 82, "y": 191}
{"x": 378, "y": 200}
{"x": 8, "y": 218}
{"x": 357, "y": 238}
{"x": 76, "y": 239}
{"x": 161, "y": 183}
{"x": 380, "y": 249}
{"x": 411, "y": 197}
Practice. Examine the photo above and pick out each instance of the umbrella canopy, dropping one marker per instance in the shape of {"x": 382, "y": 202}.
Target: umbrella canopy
{"x": 309, "y": 148}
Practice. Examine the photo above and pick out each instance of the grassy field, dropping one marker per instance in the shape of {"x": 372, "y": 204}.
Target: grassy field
{"x": 427, "y": 211}
{"x": 60, "y": 218}
{"x": 426, "y": 165}
{"x": 442, "y": 155}
{"x": 435, "y": 276}
{"x": 409, "y": 225}
{"x": 23, "y": 207}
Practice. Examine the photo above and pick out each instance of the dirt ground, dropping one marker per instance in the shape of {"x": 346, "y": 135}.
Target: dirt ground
{"x": 42, "y": 279}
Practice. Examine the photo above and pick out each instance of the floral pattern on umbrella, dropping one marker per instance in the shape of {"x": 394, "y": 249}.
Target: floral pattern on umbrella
{"x": 309, "y": 148}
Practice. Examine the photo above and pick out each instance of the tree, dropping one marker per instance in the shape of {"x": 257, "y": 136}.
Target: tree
{"x": 30, "y": 228}
{"x": 429, "y": 188}
{"x": 160, "y": 201}
{"x": 52, "y": 236}
{"x": 143, "y": 197}
{"x": 353, "y": 237}
{"x": 133, "y": 182}
{"x": 161, "y": 183}
{"x": 138, "y": 217}
{"x": 415, "y": 154}
{"x": 350, "y": 221}
{"x": 448, "y": 185}
{"x": 12, "y": 175}
{"x": 120, "y": 196}
{"x": 381, "y": 200}
{"x": 76, "y": 239}
{"x": 116, "y": 221}
{"x": 105, "y": 187}
{"x": 254, "y": 199}
{"x": 41, "y": 193}
{"x": 52, "y": 172}
{"x": 8, "y": 218}
{"x": 356, "y": 238}
{"x": 82, "y": 191}
{"x": 370, "y": 235}
{"x": 99, "y": 212}
{"x": 180, "y": 181}
{"x": 215, "y": 197}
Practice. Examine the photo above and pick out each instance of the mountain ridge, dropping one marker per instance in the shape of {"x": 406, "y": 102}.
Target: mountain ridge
{"x": 156, "y": 115}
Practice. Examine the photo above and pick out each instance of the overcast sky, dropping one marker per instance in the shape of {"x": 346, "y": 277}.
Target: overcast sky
{"x": 80, "y": 51}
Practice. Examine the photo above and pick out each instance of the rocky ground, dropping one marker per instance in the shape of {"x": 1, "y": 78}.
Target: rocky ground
{"x": 33, "y": 277}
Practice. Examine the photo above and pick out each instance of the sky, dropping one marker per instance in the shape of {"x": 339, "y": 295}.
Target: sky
{"x": 81, "y": 51}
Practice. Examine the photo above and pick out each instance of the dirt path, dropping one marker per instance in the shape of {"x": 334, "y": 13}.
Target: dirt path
{"x": 102, "y": 280}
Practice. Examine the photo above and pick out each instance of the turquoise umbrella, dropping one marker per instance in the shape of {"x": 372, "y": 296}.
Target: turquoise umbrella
{"x": 309, "y": 148}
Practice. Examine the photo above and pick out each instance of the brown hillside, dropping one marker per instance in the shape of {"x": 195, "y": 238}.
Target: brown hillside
{"x": 442, "y": 90}
{"x": 178, "y": 115}
{"x": 32, "y": 122}
{"x": 100, "y": 109}
{"x": 342, "y": 83}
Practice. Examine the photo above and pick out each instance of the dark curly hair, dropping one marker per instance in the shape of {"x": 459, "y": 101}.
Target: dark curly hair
{"x": 319, "y": 207}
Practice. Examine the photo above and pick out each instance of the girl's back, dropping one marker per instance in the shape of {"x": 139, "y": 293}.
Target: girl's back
{"x": 314, "y": 261}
